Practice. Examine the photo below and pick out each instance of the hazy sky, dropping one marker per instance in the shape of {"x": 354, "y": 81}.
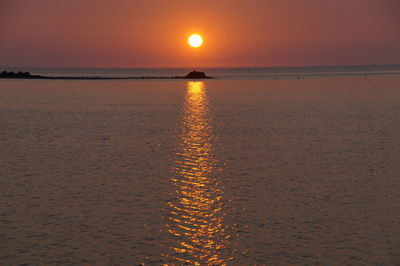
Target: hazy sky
{"x": 152, "y": 33}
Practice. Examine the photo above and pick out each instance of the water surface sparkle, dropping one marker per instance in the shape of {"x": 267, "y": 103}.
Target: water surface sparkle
{"x": 196, "y": 213}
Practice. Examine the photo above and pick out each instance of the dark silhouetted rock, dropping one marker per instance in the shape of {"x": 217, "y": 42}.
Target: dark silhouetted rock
{"x": 11, "y": 74}
{"x": 196, "y": 75}
{"x": 26, "y": 75}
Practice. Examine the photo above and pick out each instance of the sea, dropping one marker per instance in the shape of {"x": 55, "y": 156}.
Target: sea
{"x": 219, "y": 73}
{"x": 259, "y": 166}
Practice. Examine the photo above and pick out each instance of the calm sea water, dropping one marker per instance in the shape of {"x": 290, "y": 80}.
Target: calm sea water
{"x": 225, "y": 73}
{"x": 235, "y": 171}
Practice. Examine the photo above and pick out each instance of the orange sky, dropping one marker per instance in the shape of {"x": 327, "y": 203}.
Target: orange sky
{"x": 239, "y": 33}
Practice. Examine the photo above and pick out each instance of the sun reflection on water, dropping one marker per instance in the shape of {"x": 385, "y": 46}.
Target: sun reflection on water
{"x": 196, "y": 213}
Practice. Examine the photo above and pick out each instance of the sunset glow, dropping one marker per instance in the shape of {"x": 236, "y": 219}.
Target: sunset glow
{"x": 244, "y": 132}
{"x": 195, "y": 40}
{"x": 239, "y": 34}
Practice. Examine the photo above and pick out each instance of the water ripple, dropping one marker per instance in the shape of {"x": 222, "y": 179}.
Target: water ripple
{"x": 196, "y": 214}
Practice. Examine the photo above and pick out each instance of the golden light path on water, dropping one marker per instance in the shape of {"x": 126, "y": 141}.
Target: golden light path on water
{"x": 197, "y": 212}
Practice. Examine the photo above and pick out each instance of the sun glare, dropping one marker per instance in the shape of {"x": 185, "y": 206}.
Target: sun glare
{"x": 195, "y": 40}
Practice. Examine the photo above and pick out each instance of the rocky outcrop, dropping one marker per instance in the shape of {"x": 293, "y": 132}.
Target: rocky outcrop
{"x": 196, "y": 75}
{"x": 16, "y": 75}
{"x": 26, "y": 75}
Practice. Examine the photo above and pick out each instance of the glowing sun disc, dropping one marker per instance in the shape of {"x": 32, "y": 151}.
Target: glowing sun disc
{"x": 195, "y": 40}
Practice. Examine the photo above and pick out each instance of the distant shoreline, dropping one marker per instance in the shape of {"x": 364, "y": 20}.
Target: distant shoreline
{"x": 93, "y": 78}
{"x": 27, "y": 75}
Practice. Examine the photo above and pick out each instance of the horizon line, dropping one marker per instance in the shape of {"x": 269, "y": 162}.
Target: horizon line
{"x": 235, "y": 67}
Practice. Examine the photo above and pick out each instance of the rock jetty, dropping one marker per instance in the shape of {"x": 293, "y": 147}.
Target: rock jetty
{"x": 26, "y": 75}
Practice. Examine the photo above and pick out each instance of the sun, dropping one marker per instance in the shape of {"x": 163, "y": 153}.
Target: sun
{"x": 195, "y": 40}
